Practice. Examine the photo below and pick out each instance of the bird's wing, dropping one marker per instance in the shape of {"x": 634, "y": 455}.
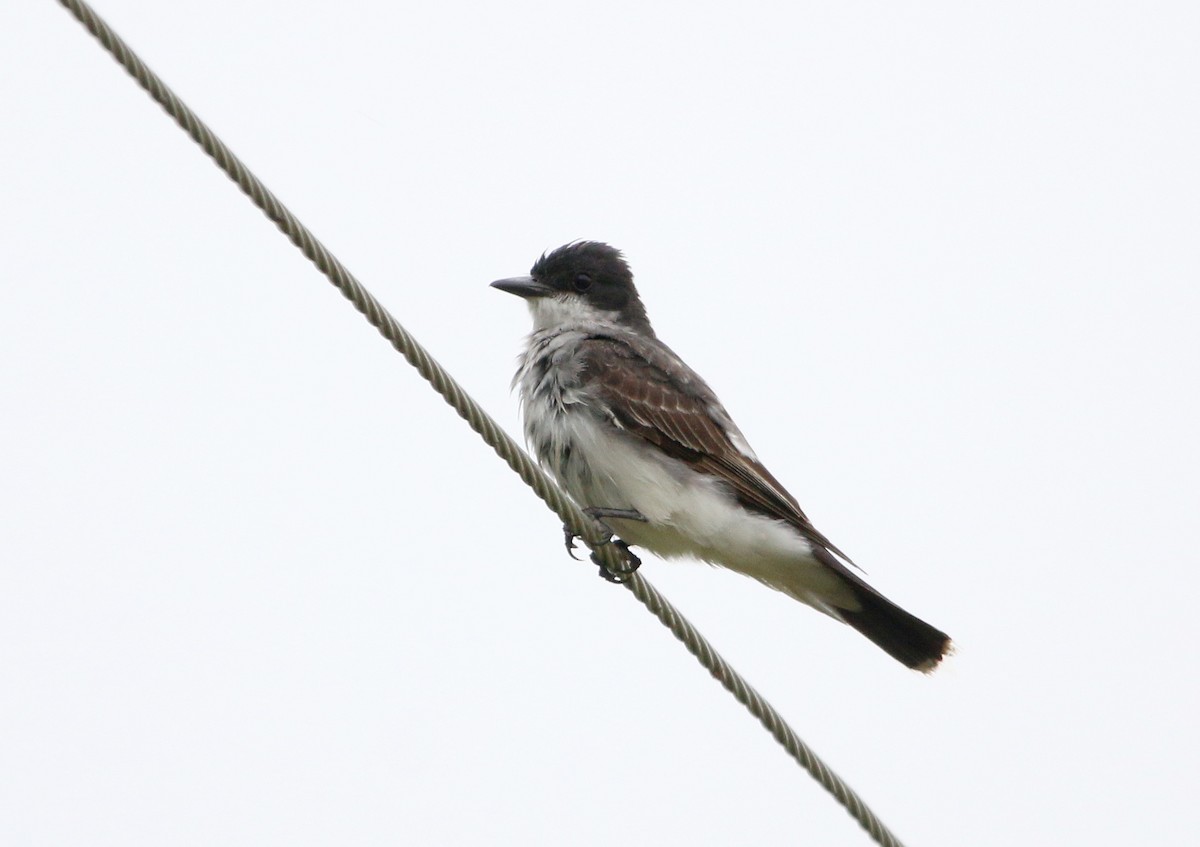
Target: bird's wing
{"x": 652, "y": 394}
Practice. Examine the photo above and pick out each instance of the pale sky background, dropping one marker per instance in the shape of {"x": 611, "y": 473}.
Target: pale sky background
{"x": 260, "y": 586}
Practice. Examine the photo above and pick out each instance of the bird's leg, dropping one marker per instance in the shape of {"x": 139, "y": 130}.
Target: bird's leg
{"x": 596, "y": 513}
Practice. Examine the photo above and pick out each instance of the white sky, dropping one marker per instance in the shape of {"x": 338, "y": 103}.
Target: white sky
{"x": 260, "y": 586}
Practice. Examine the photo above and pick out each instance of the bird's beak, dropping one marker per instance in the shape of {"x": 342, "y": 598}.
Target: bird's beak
{"x": 523, "y": 286}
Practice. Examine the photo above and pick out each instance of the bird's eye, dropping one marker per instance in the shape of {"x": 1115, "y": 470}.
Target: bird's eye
{"x": 582, "y": 282}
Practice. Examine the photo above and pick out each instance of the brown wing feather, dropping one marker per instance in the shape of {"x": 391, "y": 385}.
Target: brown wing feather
{"x": 659, "y": 399}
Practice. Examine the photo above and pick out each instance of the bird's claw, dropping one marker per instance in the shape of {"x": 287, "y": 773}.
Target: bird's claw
{"x": 632, "y": 563}
{"x": 596, "y": 513}
{"x": 570, "y": 535}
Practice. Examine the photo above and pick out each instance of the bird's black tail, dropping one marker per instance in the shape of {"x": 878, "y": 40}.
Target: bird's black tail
{"x": 902, "y": 636}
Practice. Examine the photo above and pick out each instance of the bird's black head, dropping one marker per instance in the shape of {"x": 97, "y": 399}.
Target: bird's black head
{"x": 589, "y": 273}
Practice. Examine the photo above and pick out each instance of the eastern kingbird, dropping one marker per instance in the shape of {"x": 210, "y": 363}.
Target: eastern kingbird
{"x": 635, "y": 435}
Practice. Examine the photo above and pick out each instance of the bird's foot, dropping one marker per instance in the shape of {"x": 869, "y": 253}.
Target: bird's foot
{"x": 631, "y": 564}
{"x": 596, "y": 513}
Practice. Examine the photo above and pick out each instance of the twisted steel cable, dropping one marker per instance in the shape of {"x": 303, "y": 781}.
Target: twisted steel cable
{"x": 592, "y": 532}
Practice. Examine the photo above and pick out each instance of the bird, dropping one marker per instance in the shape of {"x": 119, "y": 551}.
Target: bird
{"x": 638, "y": 439}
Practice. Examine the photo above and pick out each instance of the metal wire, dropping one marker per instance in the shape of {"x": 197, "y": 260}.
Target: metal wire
{"x": 592, "y": 532}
